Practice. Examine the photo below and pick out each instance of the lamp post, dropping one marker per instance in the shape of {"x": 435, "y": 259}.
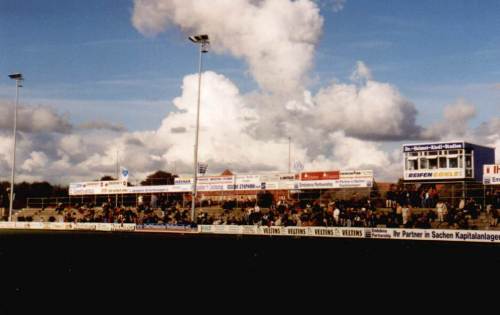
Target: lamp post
{"x": 18, "y": 77}
{"x": 202, "y": 41}
{"x": 289, "y": 153}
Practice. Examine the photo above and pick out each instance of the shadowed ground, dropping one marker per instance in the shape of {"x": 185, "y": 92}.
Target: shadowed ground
{"x": 84, "y": 268}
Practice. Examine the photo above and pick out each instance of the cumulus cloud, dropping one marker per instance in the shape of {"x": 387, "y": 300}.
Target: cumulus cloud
{"x": 224, "y": 119}
{"x": 36, "y": 160}
{"x": 487, "y": 133}
{"x": 275, "y": 37}
{"x": 178, "y": 129}
{"x": 361, "y": 73}
{"x": 99, "y": 124}
{"x": 33, "y": 119}
{"x": 364, "y": 111}
{"x": 334, "y": 5}
{"x": 371, "y": 111}
{"x": 455, "y": 121}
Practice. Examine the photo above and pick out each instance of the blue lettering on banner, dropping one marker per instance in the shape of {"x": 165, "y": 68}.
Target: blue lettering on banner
{"x": 419, "y": 175}
{"x": 248, "y": 186}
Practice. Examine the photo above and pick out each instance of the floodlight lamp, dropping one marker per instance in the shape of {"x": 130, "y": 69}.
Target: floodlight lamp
{"x": 199, "y": 38}
{"x": 16, "y": 76}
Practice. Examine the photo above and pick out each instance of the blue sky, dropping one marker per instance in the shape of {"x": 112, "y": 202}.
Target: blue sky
{"x": 85, "y": 58}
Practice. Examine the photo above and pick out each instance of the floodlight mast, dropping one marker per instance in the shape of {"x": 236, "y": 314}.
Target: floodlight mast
{"x": 18, "y": 77}
{"x": 203, "y": 42}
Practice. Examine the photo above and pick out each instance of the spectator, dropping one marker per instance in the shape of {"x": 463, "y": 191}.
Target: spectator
{"x": 441, "y": 210}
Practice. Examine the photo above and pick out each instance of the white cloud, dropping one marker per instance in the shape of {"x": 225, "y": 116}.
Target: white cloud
{"x": 455, "y": 121}
{"x": 333, "y": 5}
{"x": 373, "y": 110}
{"x": 100, "y": 124}
{"x": 361, "y": 73}
{"x": 33, "y": 119}
{"x": 275, "y": 37}
{"x": 36, "y": 161}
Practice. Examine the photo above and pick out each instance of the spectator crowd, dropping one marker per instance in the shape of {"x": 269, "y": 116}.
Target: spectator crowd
{"x": 400, "y": 212}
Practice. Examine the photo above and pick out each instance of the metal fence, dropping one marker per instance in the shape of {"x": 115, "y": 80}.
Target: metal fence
{"x": 450, "y": 192}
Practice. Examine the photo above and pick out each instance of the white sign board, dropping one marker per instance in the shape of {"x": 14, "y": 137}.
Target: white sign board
{"x": 491, "y": 174}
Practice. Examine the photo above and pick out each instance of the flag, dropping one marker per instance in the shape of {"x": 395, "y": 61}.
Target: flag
{"x": 202, "y": 168}
{"x": 298, "y": 166}
{"x": 123, "y": 174}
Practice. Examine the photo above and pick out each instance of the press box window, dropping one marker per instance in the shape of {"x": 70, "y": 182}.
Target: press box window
{"x": 423, "y": 163}
{"x": 442, "y": 162}
{"x": 412, "y": 165}
{"x": 468, "y": 161}
{"x": 433, "y": 163}
{"x": 453, "y": 162}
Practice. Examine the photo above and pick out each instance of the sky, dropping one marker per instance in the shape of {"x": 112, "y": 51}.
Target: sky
{"x": 349, "y": 81}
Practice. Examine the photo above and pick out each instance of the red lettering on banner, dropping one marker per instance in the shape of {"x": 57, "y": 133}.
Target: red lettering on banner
{"x": 320, "y": 175}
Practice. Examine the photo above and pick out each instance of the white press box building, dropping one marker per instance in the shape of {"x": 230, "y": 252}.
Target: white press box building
{"x": 456, "y": 167}
{"x": 438, "y": 161}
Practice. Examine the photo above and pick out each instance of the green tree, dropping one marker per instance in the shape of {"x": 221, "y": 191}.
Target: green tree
{"x": 265, "y": 199}
{"x": 159, "y": 178}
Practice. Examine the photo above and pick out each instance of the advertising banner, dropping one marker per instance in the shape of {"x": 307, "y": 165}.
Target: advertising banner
{"x": 491, "y": 174}
{"x": 183, "y": 181}
{"x": 98, "y": 187}
{"x": 446, "y": 235}
{"x": 279, "y": 177}
{"x": 215, "y": 180}
{"x": 332, "y": 184}
{"x": 248, "y": 179}
{"x": 330, "y": 175}
{"x": 434, "y": 174}
{"x": 283, "y": 181}
{"x": 356, "y": 174}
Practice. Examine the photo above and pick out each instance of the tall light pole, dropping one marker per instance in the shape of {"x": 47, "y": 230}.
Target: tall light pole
{"x": 289, "y": 153}
{"x": 202, "y": 41}
{"x": 18, "y": 77}
{"x": 117, "y": 176}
